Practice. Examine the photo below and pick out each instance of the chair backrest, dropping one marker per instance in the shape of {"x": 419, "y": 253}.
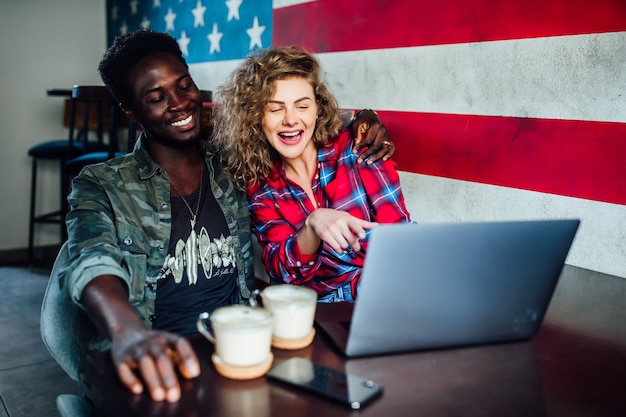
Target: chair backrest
{"x": 92, "y": 107}
{"x": 208, "y": 107}
{"x": 59, "y": 321}
{"x": 207, "y": 95}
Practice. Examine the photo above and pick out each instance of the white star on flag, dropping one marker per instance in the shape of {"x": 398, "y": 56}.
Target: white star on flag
{"x": 183, "y": 42}
{"x": 133, "y": 6}
{"x": 145, "y": 23}
{"x": 233, "y": 9}
{"x": 255, "y": 33}
{"x": 198, "y": 14}
{"x": 215, "y": 37}
{"x": 169, "y": 19}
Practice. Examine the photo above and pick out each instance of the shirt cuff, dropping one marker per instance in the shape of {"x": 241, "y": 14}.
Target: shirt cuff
{"x": 304, "y": 260}
{"x": 87, "y": 271}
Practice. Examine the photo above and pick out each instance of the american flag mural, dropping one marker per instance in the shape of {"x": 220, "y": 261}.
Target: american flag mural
{"x": 500, "y": 109}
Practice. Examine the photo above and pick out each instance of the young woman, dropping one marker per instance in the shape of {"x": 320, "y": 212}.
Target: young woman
{"x": 311, "y": 203}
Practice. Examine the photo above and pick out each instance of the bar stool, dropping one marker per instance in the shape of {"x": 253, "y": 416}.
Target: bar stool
{"x": 84, "y": 113}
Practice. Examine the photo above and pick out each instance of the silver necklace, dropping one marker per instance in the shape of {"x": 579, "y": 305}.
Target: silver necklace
{"x": 194, "y": 216}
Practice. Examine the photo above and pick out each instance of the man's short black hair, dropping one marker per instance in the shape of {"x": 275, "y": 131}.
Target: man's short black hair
{"x": 126, "y": 51}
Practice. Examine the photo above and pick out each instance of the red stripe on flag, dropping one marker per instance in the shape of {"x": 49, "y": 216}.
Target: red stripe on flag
{"x": 346, "y": 25}
{"x": 572, "y": 158}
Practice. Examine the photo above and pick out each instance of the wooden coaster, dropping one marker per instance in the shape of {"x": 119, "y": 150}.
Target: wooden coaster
{"x": 292, "y": 344}
{"x": 242, "y": 372}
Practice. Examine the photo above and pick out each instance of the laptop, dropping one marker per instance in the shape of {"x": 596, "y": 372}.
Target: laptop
{"x": 433, "y": 286}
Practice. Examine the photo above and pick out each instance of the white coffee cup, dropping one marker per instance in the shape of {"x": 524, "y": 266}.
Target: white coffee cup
{"x": 293, "y": 309}
{"x": 242, "y": 335}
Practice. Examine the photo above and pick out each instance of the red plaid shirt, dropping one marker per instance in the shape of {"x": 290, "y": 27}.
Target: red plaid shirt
{"x": 279, "y": 208}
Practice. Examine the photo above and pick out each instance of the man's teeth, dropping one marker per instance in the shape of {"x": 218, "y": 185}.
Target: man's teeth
{"x": 182, "y": 122}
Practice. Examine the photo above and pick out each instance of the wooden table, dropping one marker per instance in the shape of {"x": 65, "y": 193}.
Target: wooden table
{"x": 576, "y": 366}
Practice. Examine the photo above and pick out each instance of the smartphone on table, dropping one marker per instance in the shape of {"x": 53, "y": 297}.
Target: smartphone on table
{"x": 351, "y": 390}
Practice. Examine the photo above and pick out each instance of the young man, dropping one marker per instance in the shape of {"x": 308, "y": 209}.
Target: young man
{"x": 162, "y": 234}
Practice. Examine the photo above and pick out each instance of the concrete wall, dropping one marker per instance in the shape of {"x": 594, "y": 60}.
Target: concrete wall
{"x": 525, "y": 120}
{"x": 43, "y": 44}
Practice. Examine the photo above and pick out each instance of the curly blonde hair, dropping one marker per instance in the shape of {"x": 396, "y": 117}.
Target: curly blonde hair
{"x": 238, "y": 127}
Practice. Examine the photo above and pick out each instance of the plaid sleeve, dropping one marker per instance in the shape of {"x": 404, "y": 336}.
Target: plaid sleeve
{"x": 275, "y": 222}
{"x": 382, "y": 186}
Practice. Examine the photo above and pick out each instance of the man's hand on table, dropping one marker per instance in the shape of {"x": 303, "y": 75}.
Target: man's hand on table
{"x": 140, "y": 355}
{"x": 153, "y": 358}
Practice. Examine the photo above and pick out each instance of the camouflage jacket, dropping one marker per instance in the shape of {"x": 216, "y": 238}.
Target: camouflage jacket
{"x": 119, "y": 224}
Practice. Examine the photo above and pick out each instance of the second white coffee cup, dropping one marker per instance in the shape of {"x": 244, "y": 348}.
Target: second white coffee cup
{"x": 293, "y": 310}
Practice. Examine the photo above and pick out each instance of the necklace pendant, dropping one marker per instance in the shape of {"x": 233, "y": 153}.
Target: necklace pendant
{"x": 193, "y": 222}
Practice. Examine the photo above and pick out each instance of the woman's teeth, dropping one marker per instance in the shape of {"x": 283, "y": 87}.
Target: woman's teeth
{"x": 290, "y": 135}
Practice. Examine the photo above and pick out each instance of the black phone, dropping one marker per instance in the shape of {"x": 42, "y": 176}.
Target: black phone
{"x": 351, "y": 390}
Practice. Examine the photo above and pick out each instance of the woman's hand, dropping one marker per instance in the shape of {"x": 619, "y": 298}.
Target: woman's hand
{"x": 337, "y": 228}
{"x": 371, "y": 138}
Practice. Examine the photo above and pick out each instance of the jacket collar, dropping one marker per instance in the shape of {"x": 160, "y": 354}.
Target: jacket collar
{"x": 146, "y": 165}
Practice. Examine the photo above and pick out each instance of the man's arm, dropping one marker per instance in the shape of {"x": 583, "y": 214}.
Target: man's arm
{"x": 139, "y": 354}
{"x": 371, "y": 139}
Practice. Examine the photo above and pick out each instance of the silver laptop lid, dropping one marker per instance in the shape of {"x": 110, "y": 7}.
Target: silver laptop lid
{"x": 442, "y": 285}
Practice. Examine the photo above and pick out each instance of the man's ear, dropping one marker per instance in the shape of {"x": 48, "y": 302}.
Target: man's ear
{"x": 133, "y": 123}
{"x": 129, "y": 113}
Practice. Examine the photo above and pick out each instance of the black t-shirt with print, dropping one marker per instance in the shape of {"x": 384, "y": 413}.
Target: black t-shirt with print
{"x": 207, "y": 280}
